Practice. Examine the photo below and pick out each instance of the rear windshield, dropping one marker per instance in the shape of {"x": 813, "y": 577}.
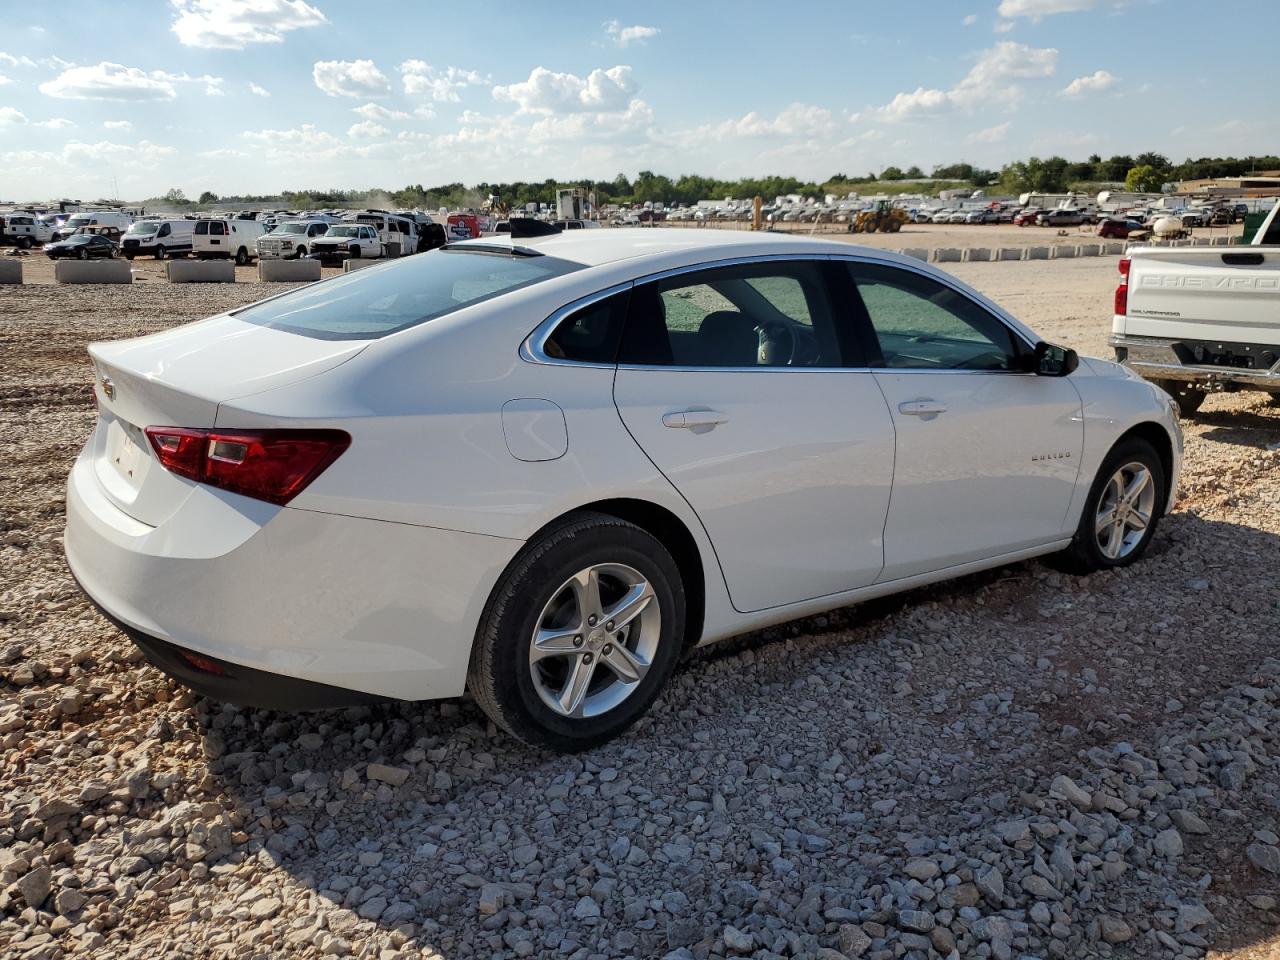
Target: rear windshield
{"x": 374, "y": 303}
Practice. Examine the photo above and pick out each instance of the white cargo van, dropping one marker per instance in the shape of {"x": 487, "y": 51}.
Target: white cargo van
{"x": 226, "y": 239}
{"x": 158, "y": 238}
{"x": 95, "y": 218}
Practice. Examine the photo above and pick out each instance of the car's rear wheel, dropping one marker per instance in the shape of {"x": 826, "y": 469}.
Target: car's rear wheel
{"x": 242, "y": 257}
{"x": 1124, "y": 507}
{"x": 580, "y": 635}
{"x": 1184, "y": 395}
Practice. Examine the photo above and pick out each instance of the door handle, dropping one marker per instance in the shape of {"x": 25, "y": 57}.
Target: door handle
{"x": 927, "y": 409}
{"x": 692, "y": 419}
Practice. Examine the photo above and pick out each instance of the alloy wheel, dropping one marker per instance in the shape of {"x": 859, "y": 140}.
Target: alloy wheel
{"x": 595, "y": 640}
{"x": 1125, "y": 510}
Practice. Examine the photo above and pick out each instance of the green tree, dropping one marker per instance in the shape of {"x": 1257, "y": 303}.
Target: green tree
{"x": 892, "y": 173}
{"x": 1143, "y": 178}
{"x": 206, "y": 198}
{"x": 914, "y": 173}
{"x": 175, "y": 196}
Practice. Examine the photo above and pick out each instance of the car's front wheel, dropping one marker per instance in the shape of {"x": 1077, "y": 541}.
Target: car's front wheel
{"x": 580, "y": 635}
{"x": 1123, "y": 509}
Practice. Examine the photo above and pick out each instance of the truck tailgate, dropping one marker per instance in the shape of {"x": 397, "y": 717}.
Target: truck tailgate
{"x": 1204, "y": 293}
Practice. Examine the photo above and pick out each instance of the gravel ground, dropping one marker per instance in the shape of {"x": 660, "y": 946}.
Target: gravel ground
{"x": 1016, "y": 764}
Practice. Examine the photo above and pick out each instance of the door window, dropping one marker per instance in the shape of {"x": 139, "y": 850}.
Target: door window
{"x": 769, "y": 314}
{"x": 920, "y": 323}
{"x": 164, "y": 231}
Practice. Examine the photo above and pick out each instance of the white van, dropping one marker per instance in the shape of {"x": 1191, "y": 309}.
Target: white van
{"x": 392, "y": 229}
{"x": 95, "y": 218}
{"x": 224, "y": 239}
{"x": 158, "y": 238}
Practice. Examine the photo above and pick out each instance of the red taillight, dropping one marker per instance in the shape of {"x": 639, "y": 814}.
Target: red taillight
{"x": 272, "y": 465}
{"x": 1122, "y": 291}
{"x": 203, "y": 664}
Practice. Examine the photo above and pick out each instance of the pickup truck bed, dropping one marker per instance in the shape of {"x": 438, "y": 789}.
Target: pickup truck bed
{"x": 1200, "y": 319}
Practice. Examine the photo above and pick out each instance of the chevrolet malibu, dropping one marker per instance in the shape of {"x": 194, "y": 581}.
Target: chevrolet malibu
{"x": 541, "y": 469}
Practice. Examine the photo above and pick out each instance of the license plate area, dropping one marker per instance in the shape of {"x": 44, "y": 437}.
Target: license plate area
{"x": 126, "y": 453}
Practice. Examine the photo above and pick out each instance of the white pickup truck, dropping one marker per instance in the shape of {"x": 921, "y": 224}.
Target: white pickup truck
{"x": 1199, "y": 320}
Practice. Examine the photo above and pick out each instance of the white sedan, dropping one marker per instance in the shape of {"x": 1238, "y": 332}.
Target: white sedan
{"x": 542, "y": 469}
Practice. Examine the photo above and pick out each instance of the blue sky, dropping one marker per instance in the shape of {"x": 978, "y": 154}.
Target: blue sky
{"x": 249, "y": 96}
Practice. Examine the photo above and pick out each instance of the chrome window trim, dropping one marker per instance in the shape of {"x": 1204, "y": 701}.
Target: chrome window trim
{"x": 532, "y": 350}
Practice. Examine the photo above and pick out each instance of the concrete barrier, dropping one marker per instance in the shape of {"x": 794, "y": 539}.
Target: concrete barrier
{"x": 919, "y": 253}
{"x": 1089, "y": 250}
{"x": 1036, "y": 253}
{"x": 1113, "y": 248}
{"x": 1199, "y": 241}
{"x": 10, "y": 270}
{"x": 1008, "y": 253}
{"x": 977, "y": 255}
{"x": 1062, "y": 252}
{"x": 351, "y": 266}
{"x": 288, "y": 271}
{"x": 200, "y": 271}
{"x": 92, "y": 271}
{"x": 946, "y": 255}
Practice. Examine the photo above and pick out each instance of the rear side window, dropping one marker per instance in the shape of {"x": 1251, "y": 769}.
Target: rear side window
{"x": 590, "y": 335}
{"x": 374, "y": 303}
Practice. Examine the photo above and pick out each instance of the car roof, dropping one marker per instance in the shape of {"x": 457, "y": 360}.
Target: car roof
{"x": 599, "y": 247}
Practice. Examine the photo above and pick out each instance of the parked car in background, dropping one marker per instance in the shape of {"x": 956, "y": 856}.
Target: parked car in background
{"x": 95, "y": 218}
{"x": 1118, "y": 228}
{"x": 227, "y": 240}
{"x": 82, "y": 245}
{"x": 347, "y": 240}
{"x": 1027, "y": 217}
{"x": 25, "y": 230}
{"x": 576, "y": 224}
{"x": 1194, "y": 217}
{"x": 1064, "y": 217}
{"x": 158, "y": 238}
{"x": 396, "y": 232}
{"x": 291, "y": 239}
{"x": 543, "y": 476}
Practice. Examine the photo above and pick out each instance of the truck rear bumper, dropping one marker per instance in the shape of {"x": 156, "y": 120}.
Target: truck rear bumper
{"x": 1155, "y": 358}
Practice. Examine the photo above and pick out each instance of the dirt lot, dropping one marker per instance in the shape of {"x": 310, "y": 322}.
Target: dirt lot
{"x": 1019, "y": 763}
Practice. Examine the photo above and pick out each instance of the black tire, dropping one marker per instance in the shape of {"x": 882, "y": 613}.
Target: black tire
{"x": 300, "y": 253}
{"x": 242, "y": 257}
{"x": 1273, "y": 399}
{"x": 160, "y": 252}
{"x": 129, "y": 257}
{"x": 82, "y": 254}
{"x": 24, "y": 243}
{"x": 1187, "y": 398}
{"x": 499, "y": 675}
{"x": 354, "y": 252}
{"x": 1085, "y": 554}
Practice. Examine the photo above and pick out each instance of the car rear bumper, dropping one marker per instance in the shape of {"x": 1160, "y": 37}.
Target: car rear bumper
{"x": 1156, "y": 358}
{"x": 285, "y": 596}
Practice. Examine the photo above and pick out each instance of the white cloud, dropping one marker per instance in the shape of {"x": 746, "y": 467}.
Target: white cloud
{"x": 625, "y": 36}
{"x": 306, "y": 135}
{"x": 9, "y": 60}
{"x": 258, "y": 91}
{"x": 367, "y": 130}
{"x": 74, "y": 155}
{"x": 54, "y": 123}
{"x": 4, "y": 80}
{"x": 109, "y": 81}
{"x": 1095, "y": 82}
{"x": 1042, "y": 8}
{"x": 1004, "y": 26}
{"x": 441, "y": 83}
{"x": 375, "y": 111}
{"x": 970, "y": 20}
{"x": 796, "y": 120}
{"x": 234, "y": 24}
{"x": 11, "y": 117}
{"x": 548, "y": 92}
{"x": 117, "y": 124}
{"x": 994, "y": 134}
{"x": 426, "y": 111}
{"x": 350, "y": 78}
{"x": 992, "y": 79}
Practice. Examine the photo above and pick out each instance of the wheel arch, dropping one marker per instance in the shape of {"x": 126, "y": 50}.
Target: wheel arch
{"x": 1156, "y": 435}
{"x": 672, "y": 533}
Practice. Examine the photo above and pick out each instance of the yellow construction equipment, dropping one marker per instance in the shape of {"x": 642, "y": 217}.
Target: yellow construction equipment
{"x": 883, "y": 219}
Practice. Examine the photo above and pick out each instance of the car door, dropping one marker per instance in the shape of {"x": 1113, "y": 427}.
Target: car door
{"x": 730, "y": 379}
{"x": 987, "y": 453}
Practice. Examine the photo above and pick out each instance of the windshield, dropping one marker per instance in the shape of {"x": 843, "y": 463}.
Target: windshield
{"x": 79, "y": 219}
{"x": 137, "y": 228}
{"x": 291, "y": 228}
{"x": 374, "y": 303}
{"x": 343, "y": 231}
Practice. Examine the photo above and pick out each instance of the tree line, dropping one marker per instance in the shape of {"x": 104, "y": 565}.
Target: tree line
{"x": 1146, "y": 172}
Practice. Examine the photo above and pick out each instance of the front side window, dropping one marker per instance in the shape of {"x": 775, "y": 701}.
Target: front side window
{"x": 374, "y": 303}
{"x": 164, "y": 231}
{"x": 768, "y": 314}
{"x": 923, "y": 324}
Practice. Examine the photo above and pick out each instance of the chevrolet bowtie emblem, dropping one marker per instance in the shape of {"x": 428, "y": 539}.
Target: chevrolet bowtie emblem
{"x": 108, "y": 388}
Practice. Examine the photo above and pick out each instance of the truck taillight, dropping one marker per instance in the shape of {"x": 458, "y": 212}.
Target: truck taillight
{"x": 271, "y": 465}
{"x": 1122, "y": 291}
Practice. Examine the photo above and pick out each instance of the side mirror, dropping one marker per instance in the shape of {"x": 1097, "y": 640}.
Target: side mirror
{"x": 1051, "y": 360}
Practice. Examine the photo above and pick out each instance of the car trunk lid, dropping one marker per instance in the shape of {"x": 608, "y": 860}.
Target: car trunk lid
{"x": 177, "y": 379}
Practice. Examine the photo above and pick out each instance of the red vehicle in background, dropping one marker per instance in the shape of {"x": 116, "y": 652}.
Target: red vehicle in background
{"x": 1027, "y": 216}
{"x": 463, "y": 221}
{"x": 1118, "y": 228}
